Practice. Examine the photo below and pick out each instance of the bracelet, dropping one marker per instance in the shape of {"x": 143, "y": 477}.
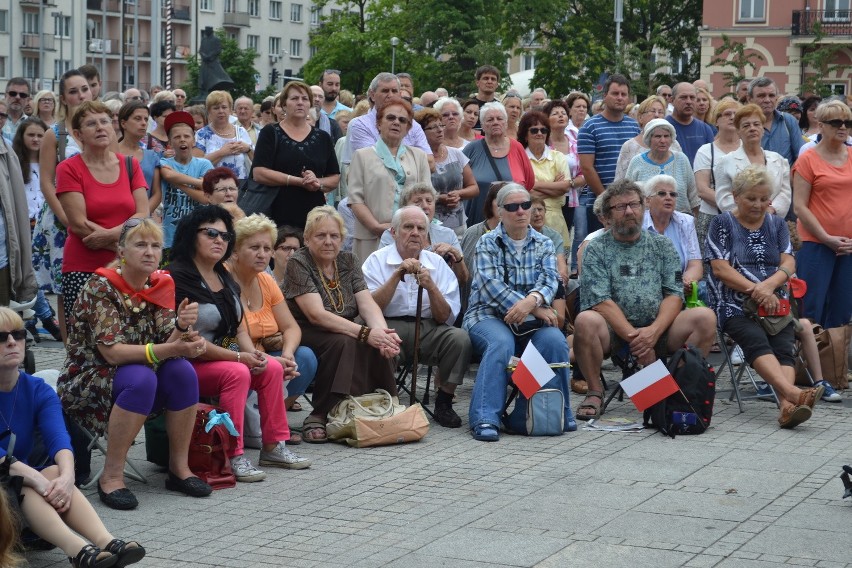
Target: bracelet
{"x": 785, "y": 271}
{"x": 321, "y": 188}
{"x": 288, "y": 180}
{"x": 238, "y": 357}
{"x": 364, "y": 334}
{"x": 179, "y": 328}
{"x": 572, "y": 183}
{"x": 148, "y": 354}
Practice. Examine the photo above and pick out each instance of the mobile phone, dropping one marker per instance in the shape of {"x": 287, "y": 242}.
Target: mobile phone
{"x": 783, "y": 309}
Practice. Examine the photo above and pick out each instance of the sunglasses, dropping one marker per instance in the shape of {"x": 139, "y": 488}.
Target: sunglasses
{"x": 212, "y": 233}
{"x": 17, "y": 334}
{"x": 665, "y": 193}
{"x": 512, "y": 207}
{"x": 395, "y": 118}
{"x": 3, "y": 115}
{"x": 837, "y": 123}
{"x": 18, "y": 94}
{"x": 539, "y": 130}
{"x": 129, "y": 224}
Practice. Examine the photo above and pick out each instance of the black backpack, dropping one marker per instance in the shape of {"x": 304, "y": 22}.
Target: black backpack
{"x": 688, "y": 411}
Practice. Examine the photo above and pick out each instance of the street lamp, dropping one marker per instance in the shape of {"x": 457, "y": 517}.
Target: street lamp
{"x": 394, "y": 42}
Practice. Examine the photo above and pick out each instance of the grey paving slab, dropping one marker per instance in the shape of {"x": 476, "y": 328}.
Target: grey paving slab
{"x": 613, "y": 556}
{"x": 666, "y": 527}
{"x": 803, "y": 543}
{"x": 493, "y": 547}
{"x": 734, "y": 479}
{"x": 703, "y": 505}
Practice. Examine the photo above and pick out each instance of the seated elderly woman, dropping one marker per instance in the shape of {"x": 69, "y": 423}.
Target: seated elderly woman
{"x": 52, "y": 507}
{"x": 749, "y": 252}
{"x": 326, "y": 291}
{"x": 270, "y": 324}
{"x": 230, "y": 364}
{"x": 442, "y": 241}
{"x": 661, "y": 218}
{"x": 513, "y": 286}
{"x": 126, "y": 360}
{"x": 220, "y": 185}
{"x": 659, "y": 135}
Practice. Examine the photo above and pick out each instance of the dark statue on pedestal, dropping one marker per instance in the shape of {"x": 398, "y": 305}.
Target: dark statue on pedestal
{"x": 212, "y": 76}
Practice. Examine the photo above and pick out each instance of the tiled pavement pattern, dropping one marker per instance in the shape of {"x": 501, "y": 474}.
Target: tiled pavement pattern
{"x": 744, "y": 495}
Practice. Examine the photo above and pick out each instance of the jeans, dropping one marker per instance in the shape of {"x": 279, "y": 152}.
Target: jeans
{"x": 42, "y": 308}
{"x": 496, "y": 343}
{"x": 585, "y": 222}
{"x": 828, "y": 301}
{"x": 307, "y": 362}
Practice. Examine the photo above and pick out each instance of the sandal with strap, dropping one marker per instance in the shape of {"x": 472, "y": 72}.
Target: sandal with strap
{"x": 90, "y": 556}
{"x": 126, "y": 552}
{"x": 792, "y": 416}
{"x": 314, "y": 434}
{"x": 587, "y": 404}
{"x": 809, "y": 397}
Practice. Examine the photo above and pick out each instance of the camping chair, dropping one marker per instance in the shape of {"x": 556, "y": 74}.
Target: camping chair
{"x": 737, "y": 377}
{"x": 403, "y": 384}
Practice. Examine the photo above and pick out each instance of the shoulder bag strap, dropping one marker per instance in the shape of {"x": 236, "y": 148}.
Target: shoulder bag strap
{"x": 128, "y": 165}
{"x": 502, "y": 246}
{"x": 61, "y": 143}
{"x": 491, "y": 160}
{"x": 278, "y": 133}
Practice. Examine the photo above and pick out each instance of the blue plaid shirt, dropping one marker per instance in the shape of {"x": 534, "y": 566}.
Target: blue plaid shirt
{"x": 497, "y": 260}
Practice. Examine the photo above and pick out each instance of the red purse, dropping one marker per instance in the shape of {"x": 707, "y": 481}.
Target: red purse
{"x": 208, "y": 450}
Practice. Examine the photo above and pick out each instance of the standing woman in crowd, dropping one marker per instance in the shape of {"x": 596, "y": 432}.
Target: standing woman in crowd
{"x": 221, "y": 142}
{"x": 451, "y": 113}
{"x": 470, "y": 115}
{"x": 44, "y": 105}
{"x": 704, "y": 104}
{"x": 50, "y": 233}
{"x": 514, "y": 108}
{"x": 133, "y": 125}
{"x": 651, "y": 108}
{"x": 296, "y": 159}
{"x": 824, "y": 206}
{"x": 98, "y": 194}
{"x": 158, "y": 139}
{"x": 578, "y": 109}
{"x": 808, "y": 121}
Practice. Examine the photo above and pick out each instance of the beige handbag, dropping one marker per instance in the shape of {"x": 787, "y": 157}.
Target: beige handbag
{"x": 375, "y": 419}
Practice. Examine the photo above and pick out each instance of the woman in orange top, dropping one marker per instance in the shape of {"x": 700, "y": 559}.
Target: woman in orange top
{"x": 268, "y": 319}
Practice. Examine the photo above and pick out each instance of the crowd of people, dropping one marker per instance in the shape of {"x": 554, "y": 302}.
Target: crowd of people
{"x": 492, "y": 208}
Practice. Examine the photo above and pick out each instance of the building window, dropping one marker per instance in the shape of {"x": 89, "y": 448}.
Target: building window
{"x": 296, "y": 13}
{"x": 837, "y": 10}
{"x": 127, "y": 75}
{"x": 752, "y": 10}
{"x": 31, "y": 24}
{"x": 254, "y": 8}
{"x": 252, "y": 42}
{"x": 528, "y": 62}
{"x": 313, "y": 50}
{"x": 316, "y": 15}
{"x": 63, "y": 26}
{"x": 205, "y": 5}
{"x": 838, "y": 88}
{"x": 3, "y": 66}
{"x": 295, "y": 48}
{"x": 274, "y": 10}
{"x": 275, "y": 46}
{"x": 4, "y": 21}
{"x": 60, "y": 66}
{"x": 30, "y": 67}
{"x": 680, "y": 66}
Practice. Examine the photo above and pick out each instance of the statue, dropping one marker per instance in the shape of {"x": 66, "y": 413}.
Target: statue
{"x": 212, "y": 76}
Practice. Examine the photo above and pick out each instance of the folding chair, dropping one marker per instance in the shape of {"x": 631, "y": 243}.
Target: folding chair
{"x": 403, "y": 384}
{"x": 96, "y": 443}
{"x": 737, "y": 377}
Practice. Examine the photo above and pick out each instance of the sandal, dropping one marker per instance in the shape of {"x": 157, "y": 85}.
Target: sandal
{"x": 126, "y": 552}
{"x": 295, "y": 407}
{"x": 792, "y": 416}
{"x": 587, "y": 404}
{"x": 90, "y": 556}
{"x": 809, "y": 397}
{"x": 295, "y": 439}
{"x": 314, "y": 434}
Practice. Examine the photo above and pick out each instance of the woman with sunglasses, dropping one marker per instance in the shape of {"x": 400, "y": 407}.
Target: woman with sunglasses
{"x": 379, "y": 173}
{"x": 53, "y": 508}
{"x": 230, "y": 364}
{"x": 126, "y": 351}
{"x": 511, "y": 298}
{"x": 824, "y": 206}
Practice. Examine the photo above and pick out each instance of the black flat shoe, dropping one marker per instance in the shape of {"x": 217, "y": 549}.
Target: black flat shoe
{"x": 88, "y": 558}
{"x": 126, "y": 552}
{"x": 121, "y": 499}
{"x": 192, "y": 486}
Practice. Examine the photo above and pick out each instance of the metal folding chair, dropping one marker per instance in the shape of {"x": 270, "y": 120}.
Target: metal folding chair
{"x": 744, "y": 372}
{"x": 96, "y": 443}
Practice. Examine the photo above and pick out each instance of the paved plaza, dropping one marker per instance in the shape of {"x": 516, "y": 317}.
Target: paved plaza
{"x": 746, "y": 494}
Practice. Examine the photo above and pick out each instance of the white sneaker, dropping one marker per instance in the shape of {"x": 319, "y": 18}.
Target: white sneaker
{"x": 283, "y": 457}
{"x": 737, "y": 357}
{"x": 245, "y": 471}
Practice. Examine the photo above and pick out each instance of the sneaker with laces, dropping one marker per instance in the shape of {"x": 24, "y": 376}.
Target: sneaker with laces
{"x": 829, "y": 394}
{"x": 245, "y": 471}
{"x": 283, "y": 457}
{"x": 737, "y": 357}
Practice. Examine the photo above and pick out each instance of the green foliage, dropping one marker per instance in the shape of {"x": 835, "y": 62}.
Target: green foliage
{"x": 820, "y": 56}
{"x": 237, "y": 62}
{"x": 733, "y": 54}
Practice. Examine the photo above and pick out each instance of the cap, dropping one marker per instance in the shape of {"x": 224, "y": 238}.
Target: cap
{"x": 179, "y": 117}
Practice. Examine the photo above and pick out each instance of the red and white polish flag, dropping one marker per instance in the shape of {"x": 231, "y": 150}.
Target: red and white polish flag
{"x": 532, "y": 372}
{"x": 650, "y": 385}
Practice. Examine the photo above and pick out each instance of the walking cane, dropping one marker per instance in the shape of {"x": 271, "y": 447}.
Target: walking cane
{"x": 417, "y": 317}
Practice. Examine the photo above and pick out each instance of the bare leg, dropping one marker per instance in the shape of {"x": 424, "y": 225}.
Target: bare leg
{"x": 781, "y": 377}
{"x": 179, "y": 426}
{"x": 695, "y": 326}
{"x": 591, "y": 343}
{"x": 810, "y": 349}
{"x": 123, "y": 428}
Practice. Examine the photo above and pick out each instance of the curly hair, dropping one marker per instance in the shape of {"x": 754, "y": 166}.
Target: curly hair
{"x": 253, "y": 225}
{"x": 214, "y": 176}
{"x": 183, "y": 245}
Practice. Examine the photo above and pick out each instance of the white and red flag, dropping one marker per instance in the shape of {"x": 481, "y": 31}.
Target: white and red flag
{"x": 650, "y": 385}
{"x": 532, "y": 372}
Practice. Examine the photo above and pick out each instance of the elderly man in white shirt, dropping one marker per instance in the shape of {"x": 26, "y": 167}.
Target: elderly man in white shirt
{"x": 393, "y": 275}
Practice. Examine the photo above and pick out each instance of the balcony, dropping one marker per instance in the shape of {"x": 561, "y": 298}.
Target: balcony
{"x": 37, "y": 41}
{"x": 142, "y": 49}
{"x": 35, "y": 4}
{"x": 236, "y": 19}
{"x": 180, "y": 11}
{"x": 142, "y": 7}
{"x": 180, "y": 55}
{"x": 98, "y": 46}
{"x": 831, "y": 22}
{"x": 103, "y": 5}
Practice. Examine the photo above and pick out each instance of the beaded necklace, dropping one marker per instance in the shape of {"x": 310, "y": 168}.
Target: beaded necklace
{"x": 129, "y": 303}
{"x": 332, "y": 290}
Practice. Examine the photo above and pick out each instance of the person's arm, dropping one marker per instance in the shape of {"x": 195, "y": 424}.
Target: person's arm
{"x": 782, "y": 200}
{"x": 365, "y": 217}
{"x": 624, "y": 157}
{"x": 182, "y": 182}
{"x": 702, "y": 183}
{"x": 107, "y": 238}
{"x": 694, "y": 271}
{"x": 469, "y": 189}
{"x": 725, "y": 171}
{"x": 156, "y": 191}
{"x": 383, "y": 292}
{"x": 587, "y": 163}
{"x": 381, "y": 337}
{"x": 47, "y": 175}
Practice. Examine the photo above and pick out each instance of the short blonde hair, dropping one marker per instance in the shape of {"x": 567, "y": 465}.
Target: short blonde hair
{"x": 146, "y": 228}
{"x": 320, "y": 213}
{"x": 252, "y": 225}
{"x": 361, "y": 108}
{"x": 10, "y": 320}
{"x": 645, "y": 105}
{"x": 217, "y": 98}
{"x": 749, "y": 177}
{"x": 164, "y": 96}
{"x": 722, "y": 107}
{"x": 826, "y": 110}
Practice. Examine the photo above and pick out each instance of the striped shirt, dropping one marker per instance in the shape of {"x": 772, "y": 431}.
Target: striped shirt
{"x": 604, "y": 139}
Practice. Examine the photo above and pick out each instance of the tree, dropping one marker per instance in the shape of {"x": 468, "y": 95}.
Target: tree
{"x": 237, "y": 62}
{"x": 822, "y": 57}
{"x": 734, "y": 54}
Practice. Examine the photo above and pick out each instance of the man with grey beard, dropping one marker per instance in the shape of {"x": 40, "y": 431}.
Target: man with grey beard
{"x": 631, "y": 296}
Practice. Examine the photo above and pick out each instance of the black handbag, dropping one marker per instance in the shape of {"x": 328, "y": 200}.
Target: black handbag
{"x": 12, "y": 484}
{"x": 256, "y": 197}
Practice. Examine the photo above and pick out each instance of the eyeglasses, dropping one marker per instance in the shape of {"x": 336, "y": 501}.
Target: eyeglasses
{"x": 213, "y": 234}
{"x": 512, "y": 207}
{"x": 226, "y": 189}
{"x": 395, "y": 118}
{"x": 666, "y": 95}
{"x": 665, "y": 193}
{"x": 622, "y": 207}
{"x": 178, "y": 96}
{"x": 18, "y": 94}
{"x": 539, "y": 130}
{"x": 287, "y": 248}
{"x": 450, "y": 114}
{"x": 17, "y": 334}
{"x": 435, "y": 127}
{"x": 3, "y": 115}
{"x": 139, "y": 98}
{"x": 47, "y": 101}
{"x": 837, "y": 123}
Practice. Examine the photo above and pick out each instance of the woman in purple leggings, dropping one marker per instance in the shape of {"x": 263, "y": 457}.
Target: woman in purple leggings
{"x": 127, "y": 353}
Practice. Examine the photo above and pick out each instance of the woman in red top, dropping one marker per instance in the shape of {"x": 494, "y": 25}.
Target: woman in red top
{"x": 98, "y": 194}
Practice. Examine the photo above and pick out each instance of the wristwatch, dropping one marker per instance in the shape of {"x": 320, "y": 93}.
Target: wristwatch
{"x": 539, "y": 299}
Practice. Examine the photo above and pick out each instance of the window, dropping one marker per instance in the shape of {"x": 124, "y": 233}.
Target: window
{"x": 31, "y": 67}
{"x": 60, "y": 66}
{"x": 313, "y": 51}
{"x": 752, "y": 11}
{"x": 254, "y": 8}
{"x": 316, "y": 15}
{"x": 680, "y": 65}
{"x": 295, "y": 48}
{"x": 205, "y": 5}
{"x": 838, "y": 88}
{"x": 528, "y": 62}
{"x": 128, "y": 77}
{"x": 4, "y": 22}
{"x": 63, "y": 26}
{"x": 274, "y": 10}
{"x": 252, "y": 42}
{"x": 296, "y": 13}
{"x": 31, "y": 26}
{"x": 96, "y": 30}
{"x": 234, "y": 36}
{"x": 2, "y": 66}
{"x": 837, "y": 10}
{"x": 274, "y": 46}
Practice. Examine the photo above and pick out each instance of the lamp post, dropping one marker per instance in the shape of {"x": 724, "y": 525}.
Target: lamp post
{"x": 394, "y": 41}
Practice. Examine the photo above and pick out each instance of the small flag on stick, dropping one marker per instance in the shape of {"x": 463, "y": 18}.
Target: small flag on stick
{"x": 533, "y": 372}
{"x": 650, "y": 385}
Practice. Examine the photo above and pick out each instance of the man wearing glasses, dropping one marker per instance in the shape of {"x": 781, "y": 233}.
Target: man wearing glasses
{"x": 631, "y": 296}
{"x": 17, "y": 97}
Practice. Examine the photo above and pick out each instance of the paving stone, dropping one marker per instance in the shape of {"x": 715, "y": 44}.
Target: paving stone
{"x": 703, "y": 505}
{"x": 677, "y": 529}
{"x": 613, "y": 556}
{"x": 493, "y": 547}
{"x": 803, "y": 543}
